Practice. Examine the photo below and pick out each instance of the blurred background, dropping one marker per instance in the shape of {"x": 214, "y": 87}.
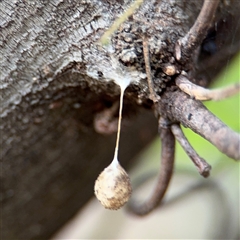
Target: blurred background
{"x": 194, "y": 207}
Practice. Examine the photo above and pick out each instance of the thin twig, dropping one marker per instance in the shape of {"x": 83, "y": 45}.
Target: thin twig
{"x": 153, "y": 96}
{"x": 165, "y": 174}
{"x": 202, "y": 166}
{"x": 186, "y": 45}
{"x": 202, "y": 94}
{"x": 191, "y": 113}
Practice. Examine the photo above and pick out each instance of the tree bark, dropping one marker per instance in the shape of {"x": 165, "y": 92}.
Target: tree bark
{"x": 54, "y": 79}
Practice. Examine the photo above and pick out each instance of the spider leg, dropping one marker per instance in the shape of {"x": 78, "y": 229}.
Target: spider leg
{"x": 164, "y": 177}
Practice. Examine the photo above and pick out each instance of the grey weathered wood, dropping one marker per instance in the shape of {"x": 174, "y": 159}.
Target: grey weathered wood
{"x": 53, "y": 79}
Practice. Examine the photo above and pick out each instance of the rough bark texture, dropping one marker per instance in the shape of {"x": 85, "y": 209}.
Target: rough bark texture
{"x": 54, "y": 78}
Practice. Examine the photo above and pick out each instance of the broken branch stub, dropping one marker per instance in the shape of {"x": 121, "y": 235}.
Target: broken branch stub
{"x": 202, "y": 166}
{"x": 204, "y": 94}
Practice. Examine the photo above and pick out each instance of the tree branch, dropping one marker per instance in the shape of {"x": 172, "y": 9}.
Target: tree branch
{"x": 191, "y": 113}
{"x": 202, "y": 166}
{"x": 165, "y": 174}
{"x": 202, "y": 94}
{"x": 186, "y": 45}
